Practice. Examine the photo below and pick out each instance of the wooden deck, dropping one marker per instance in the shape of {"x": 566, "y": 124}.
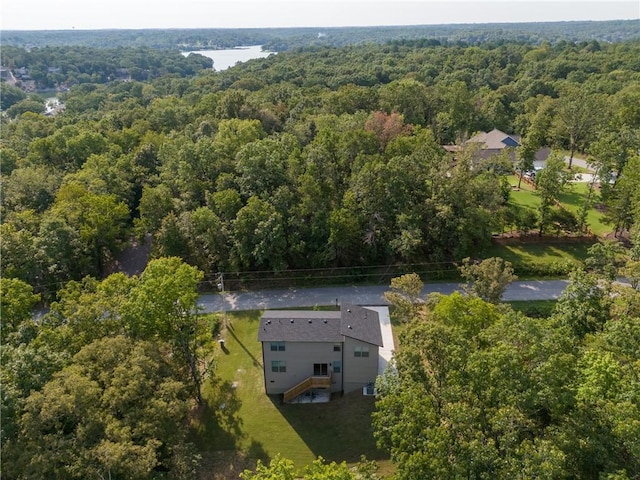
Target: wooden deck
{"x": 307, "y": 384}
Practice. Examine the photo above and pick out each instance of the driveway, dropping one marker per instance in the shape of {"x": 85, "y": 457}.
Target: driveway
{"x": 578, "y": 162}
{"x": 584, "y": 178}
{"x": 385, "y": 353}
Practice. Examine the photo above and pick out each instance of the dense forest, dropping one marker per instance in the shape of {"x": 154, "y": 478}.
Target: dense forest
{"x": 61, "y": 67}
{"x": 321, "y": 157}
{"x": 481, "y": 391}
{"x": 281, "y": 39}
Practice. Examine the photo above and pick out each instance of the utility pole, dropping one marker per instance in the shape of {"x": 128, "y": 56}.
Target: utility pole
{"x": 220, "y": 282}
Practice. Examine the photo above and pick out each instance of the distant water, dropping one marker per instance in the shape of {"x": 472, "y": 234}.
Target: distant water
{"x": 223, "y": 59}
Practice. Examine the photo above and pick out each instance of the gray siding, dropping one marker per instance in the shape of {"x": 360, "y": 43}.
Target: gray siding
{"x": 359, "y": 371}
{"x": 299, "y": 358}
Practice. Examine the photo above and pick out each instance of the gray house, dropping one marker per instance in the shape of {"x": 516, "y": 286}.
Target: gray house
{"x": 494, "y": 143}
{"x": 305, "y": 350}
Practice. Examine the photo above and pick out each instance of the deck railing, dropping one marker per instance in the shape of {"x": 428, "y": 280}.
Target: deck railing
{"x": 307, "y": 384}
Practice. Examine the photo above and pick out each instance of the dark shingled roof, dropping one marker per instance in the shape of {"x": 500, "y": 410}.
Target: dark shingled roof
{"x": 299, "y": 326}
{"x": 320, "y": 326}
{"x": 361, "y": 323}
{"x": 495, "y": 140}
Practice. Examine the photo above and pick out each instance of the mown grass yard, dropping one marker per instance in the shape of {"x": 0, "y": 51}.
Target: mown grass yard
{"x": 540, "y": 260}
{"x": 573, "y": 199}
{"x": 539, "y": 253}
{"x": 523, "y": 196}
{"x": 254, "y": 425}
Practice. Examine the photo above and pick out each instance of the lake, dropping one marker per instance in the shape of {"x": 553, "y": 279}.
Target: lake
{"x": 223, "y": 59}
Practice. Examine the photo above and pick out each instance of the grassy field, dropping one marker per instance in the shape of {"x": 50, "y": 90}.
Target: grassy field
{"x": 525, "y": 196}
{"x": 572, "y": 200}
{"x": 543, "y": 254}
{"x": 540, "y": 261}
{"x": 575, "y": 197}
{"x": 255, "y": 425}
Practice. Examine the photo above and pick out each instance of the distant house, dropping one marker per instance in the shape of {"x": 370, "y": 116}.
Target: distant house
{"x": 336, "y": 351}
{"x": 123, "y": 75}
{"x": 494, "y": 143}
{"x": 22, "y": 73}
{"x": 540, "y": 158}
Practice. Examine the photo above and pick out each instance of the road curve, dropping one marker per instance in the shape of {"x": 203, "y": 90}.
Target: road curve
{"x": 360, "y": 295}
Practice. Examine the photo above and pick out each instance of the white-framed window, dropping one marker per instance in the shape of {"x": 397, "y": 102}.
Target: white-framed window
{"x": 337, "y": 347}
{"x": 278, "y": 366}
{"x": 337, "y": 366}
{"x": 361, "y": 352}
{"x": 277, "y": 347}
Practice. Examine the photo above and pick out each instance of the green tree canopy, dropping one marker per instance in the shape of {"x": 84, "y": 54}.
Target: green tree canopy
{"x": 115, "y": 411}
{"x": 487, "y": 279}
{"x": 479, "y": 392}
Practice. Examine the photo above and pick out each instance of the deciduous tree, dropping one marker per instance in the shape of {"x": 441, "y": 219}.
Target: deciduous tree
{"x": 116, "y": 411}
{"x": 584, "y": 305}
{"x": 404, "y": 296}
{"x": 16, "y": 304}
{"x": 163, "y": 306}
{"x": 550, "y": 183}
{"x": 487, "y": 279}
{"x": 259, "y": 236}
{"x": 282, "y": 468}
{"x": 577, "y": 117}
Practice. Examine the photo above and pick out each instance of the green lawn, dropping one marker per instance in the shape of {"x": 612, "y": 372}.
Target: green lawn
{"x": 575, "y": 197}
{"x": 539, "y": 253}
{"x": 572, "y": 200}
{"x": 255, "y": 425}
{"x": 525, "y": 196}
{"x": 540, "y": 260}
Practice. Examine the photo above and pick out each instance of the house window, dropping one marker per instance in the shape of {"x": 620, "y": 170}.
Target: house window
{"x": 337, "y": 367}
{"x": 320, "y": 369}
{"x": 361, "y": 352}
{"x": 277, "y": 346}
{"x": 337, "y": 347}
{"x": 278, "y": 366}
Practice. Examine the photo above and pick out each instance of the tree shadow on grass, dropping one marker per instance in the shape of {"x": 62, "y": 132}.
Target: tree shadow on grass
{"x": 254, "y": 360}
{"x": 339, "y": 430}
{"x": 217, "y": 424}
{"x": 257, "y": 452}
{"x": 218, "y": 434}
{"x": 572, "y": 197}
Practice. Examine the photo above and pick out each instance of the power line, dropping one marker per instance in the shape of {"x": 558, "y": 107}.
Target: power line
{"x": 318, "y": 269}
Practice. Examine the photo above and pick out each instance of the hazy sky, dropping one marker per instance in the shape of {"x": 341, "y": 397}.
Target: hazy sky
{"x": 99, "y": 14}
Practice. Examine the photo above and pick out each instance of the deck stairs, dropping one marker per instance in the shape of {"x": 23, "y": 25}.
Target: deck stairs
{"x": 306, "y": 385}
